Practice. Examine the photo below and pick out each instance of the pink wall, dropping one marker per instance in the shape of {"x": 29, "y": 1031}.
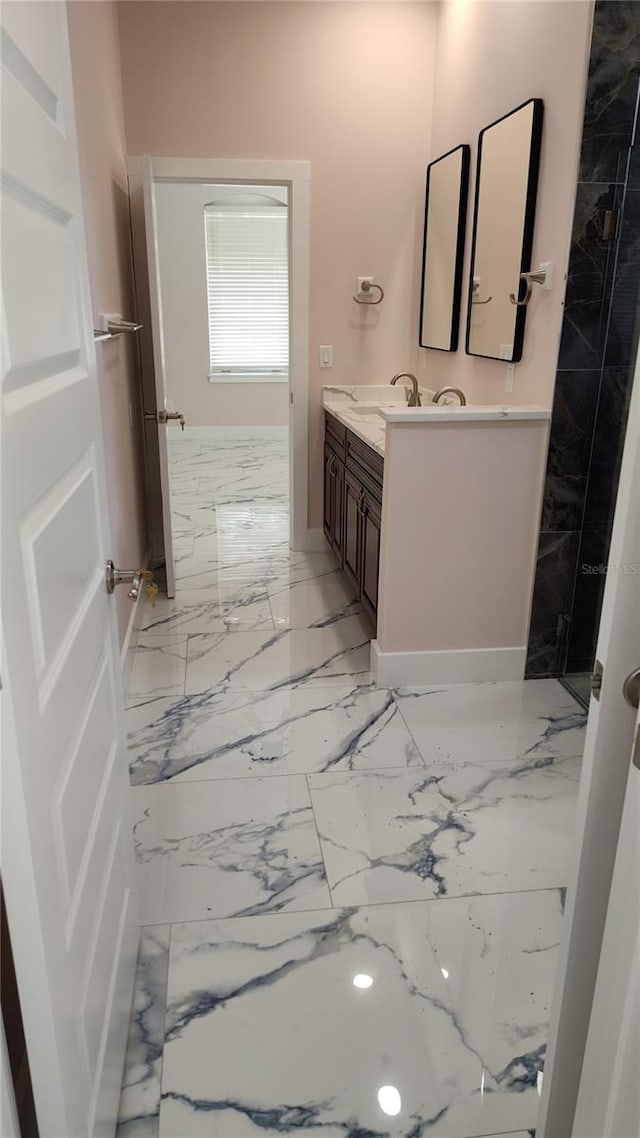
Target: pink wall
{"x": 95, "y": 58}
{"x": 492, "y": 56}
{"x": 347, "y": 86}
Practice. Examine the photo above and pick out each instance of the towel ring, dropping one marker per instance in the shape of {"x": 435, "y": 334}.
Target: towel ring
{"x": 529, "y": 280}
{"x": 366, "y": 287}
{"x": 487, "y": 301}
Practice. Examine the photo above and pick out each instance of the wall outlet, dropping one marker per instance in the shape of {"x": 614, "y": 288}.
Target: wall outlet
{"x": 326, "y": 355}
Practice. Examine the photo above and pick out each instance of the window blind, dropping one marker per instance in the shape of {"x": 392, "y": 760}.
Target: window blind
{"x": 247, "y": 289}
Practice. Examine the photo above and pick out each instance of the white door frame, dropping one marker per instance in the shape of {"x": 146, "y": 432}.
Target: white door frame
{"x": 608, "y": 743}
{"x": 296, "y": 177}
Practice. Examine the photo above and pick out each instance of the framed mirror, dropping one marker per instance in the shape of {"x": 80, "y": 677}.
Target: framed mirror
{"x": 445, "y": 218}
{"x": 505, "y": 201}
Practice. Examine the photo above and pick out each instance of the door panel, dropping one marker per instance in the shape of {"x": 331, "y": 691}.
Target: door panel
{"x": 352, "y": 538}
{"x": 370, "y": 555}
{"x": 65, "y": 757}
{"x": 328, "y": 494}
{"x": 338, "y": 507}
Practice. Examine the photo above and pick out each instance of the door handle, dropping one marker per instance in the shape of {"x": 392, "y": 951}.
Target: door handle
{"x": 134, "y": 577}
{"x": 631, "y": 688}
{"x": 164, "y": 416}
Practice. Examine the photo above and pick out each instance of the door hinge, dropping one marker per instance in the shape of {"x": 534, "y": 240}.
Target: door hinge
{"x": 597, "y": 676}
{"x": 610, "y": 224}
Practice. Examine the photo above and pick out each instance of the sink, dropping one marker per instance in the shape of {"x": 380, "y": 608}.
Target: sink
{"x": 370, "y": 411}
{"x": 365, "y": 411}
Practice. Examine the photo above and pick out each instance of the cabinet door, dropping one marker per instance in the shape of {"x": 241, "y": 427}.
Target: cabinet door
{"x": 352, "y": 532}
{"x": 328, "y": 494}
{"x": 371, "y": 517}
{"x": 338, "y": 508}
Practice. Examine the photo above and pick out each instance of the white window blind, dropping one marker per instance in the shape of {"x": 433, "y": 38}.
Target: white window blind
{"x": 248, "y": 290}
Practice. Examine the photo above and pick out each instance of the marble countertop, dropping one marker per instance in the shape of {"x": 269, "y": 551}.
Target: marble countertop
{"x": 366, "y": 410}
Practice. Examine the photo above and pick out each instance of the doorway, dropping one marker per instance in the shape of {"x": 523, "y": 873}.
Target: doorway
{"x": 239, "y": 395}
{"x": 224, "y": 288}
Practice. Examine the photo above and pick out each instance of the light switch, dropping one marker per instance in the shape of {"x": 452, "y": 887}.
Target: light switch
{"x": 326, "y": 355}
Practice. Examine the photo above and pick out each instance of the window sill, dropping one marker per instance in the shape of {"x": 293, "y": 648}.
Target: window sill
{"x": 247, "y": 377}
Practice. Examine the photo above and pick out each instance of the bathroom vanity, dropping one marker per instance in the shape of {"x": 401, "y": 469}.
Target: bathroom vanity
{"x": 433, "y": 514}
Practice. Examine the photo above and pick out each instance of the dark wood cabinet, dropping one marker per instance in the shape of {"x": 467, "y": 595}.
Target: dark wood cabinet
{"x": 352, "y": 538}
{"x": 333, "y": 523}
{"x": 371, "y": 517}
{"x": 353, "y": 475}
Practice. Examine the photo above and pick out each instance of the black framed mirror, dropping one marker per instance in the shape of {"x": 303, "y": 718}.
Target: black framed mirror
{"x": 503, "y": 220}
{"x": 445, "y": 217}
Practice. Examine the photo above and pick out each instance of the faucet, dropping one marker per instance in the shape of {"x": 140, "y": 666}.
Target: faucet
{"x": 452, "y": 391}
{"x": 413, "y": 399}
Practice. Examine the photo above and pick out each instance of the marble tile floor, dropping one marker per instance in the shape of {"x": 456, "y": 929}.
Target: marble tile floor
{"x": 351, "y": 897}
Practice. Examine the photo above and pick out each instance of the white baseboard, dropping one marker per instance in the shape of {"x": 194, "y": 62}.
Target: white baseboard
{"x": 463, "y": 666}
{"x": 315, "y": 541}
{"x": 204, "y": 433}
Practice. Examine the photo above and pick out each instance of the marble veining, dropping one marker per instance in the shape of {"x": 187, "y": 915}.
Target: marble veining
{"x": 454, "y": 1017}
{"x": 292, "y": 731}
{"x": 140, "y": 1098}
{"x": 279, "y": 798}
{"x": 461, "y": 828}
{"x": 231, "y": 848}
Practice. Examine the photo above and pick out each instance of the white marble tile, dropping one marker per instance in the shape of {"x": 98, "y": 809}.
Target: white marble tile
{"x": 292, "y": 731}
{"x": 174, "y": 616}
{"x": 501, "y": 721}
{"x": 296, "y": 568}
{"x": 159, "y": 665}
{"x": 311, "y": 604}
{"x": 267, "y": 1034}
{"x": 456, "y": 830}
{"x": 226, "y": 848}
{"x": 139, "y": 1112}
{"x": 258, "y": 661}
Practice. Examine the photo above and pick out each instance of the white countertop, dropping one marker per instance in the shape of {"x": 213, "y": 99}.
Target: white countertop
{"x": 366, "y": 410}
{"x": 472, "y": 413}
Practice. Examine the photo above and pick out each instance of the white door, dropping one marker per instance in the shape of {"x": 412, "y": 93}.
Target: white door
{"x": 609, "y": 1096}
{"x": 591, "y": 1085}
{"x": 67, "y": 858}
{"x": 144, "y": 218}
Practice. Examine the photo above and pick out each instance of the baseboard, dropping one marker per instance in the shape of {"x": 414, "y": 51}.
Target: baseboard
{"x": 463, "y": 666}
{"x": 315, "y": 541}
{"x": 203, "y": 433}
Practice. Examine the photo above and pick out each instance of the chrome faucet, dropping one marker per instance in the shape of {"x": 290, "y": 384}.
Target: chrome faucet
{"x": 413, "y": 399}
{"x": 450, "y": 391}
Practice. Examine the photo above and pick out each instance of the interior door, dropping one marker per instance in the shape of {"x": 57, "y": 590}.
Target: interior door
{"x": 144, "y": 220}
{"x": 590, "y": 1087}
{"x": 67, "y": 858}
{"x": 609, "y": 1096}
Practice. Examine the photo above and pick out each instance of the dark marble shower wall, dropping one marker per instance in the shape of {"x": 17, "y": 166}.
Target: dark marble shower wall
{"x": 597, "y": 356}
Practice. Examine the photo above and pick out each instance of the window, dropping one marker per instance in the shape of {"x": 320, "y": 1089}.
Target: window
{"x": 247, "y": 291}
